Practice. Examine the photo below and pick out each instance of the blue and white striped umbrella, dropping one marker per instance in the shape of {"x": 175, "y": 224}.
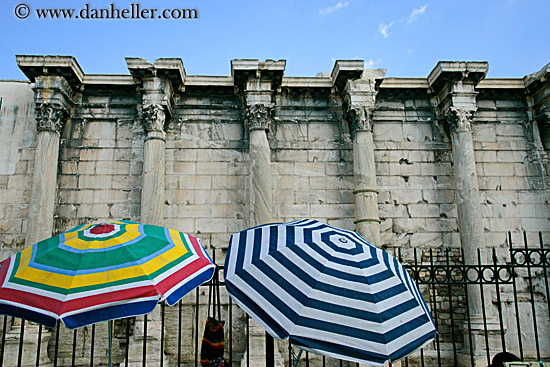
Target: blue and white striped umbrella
{"x": 329, "y": 290}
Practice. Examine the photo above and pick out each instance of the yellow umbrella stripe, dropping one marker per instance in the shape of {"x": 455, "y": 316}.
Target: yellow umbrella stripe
{"x": 72, "y": 239}
{"x": 103, "y": 277}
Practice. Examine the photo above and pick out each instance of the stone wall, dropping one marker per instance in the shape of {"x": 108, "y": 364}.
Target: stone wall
{"x": 17, "y": 142}
{"x": 423, "y": 167}
{"x": 100, "y": 162}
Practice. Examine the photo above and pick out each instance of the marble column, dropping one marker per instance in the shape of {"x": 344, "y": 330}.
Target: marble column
{"x": 470, "y": 220}
{"x": 52, "y": 110}
{"x": 152, "y": 192}
{"x": 261, "y": 199}
{"x": 257, "y": 83}
{"x": 49, "y": 118}
{"x": 159, "y": 83}
{"x": 257, "y": 119}
{"x": 364, "y": 169}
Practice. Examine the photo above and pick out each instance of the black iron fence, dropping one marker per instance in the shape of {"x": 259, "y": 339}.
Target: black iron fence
{"x": 512, "y": 289}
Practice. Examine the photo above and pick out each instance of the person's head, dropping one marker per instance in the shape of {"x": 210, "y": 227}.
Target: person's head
{"x": 500, "y": 358}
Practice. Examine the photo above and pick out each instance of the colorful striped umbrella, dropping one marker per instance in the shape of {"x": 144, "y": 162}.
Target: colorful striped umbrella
{"x": 328, "y": 290}
{"x": 100, "y": 272}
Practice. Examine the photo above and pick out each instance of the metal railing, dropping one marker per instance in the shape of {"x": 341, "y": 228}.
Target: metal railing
{"x": 515, "y": 317}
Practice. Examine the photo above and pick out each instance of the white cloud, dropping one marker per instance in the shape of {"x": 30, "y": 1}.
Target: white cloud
{"x": 384, "y": 28}
{"x": 330, "y": 9}
{"x": 369, "y": 64}
{"x": 415, "y": 13}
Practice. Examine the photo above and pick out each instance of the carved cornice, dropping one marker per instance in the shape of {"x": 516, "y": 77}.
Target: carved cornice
{"x": 258, "y": 117}
{"x": 50, "y": 117}
{"x": 154, "y": 118}
{"x": 359, "y": 119}
{"x": 460, "y": 119}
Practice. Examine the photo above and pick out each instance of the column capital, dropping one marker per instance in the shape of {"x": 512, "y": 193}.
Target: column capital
{"x": 359, "y": 89}
{"x": 266, "y": 74}
{"x": 66, "y": 67}
{"x": 460, "y": 119}
{"x": 159, "y": 81}
{"x": 154, "y": 118}
{"x": 258, "y": 117}
{"x": 452, "y": 84}
{"x": 52, "y": 97}
{"x": 359, "y": 118}
{"x": 50, "y": 116}
{"x": 450, "y": 72}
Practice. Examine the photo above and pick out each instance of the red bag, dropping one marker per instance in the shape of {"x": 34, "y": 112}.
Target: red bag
{"x": 213, "y": 340}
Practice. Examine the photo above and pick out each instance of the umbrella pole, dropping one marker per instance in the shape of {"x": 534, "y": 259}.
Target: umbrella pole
{"x": 298, "y": 357}
{"x": 110, "y": 332}
{"x": 269, "y": 350}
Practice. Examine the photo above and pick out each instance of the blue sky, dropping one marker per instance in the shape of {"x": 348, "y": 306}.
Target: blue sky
{"x": 407, "y": 38}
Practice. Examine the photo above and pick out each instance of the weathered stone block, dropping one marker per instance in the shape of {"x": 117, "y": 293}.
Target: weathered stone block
{"x": 498, "y": 169}
{"x": 187, "y": 155}
{"x": 340, "y": 196}
{"x": 4, "y": 181}
{"x": 404, "y": 169}
{"x": 186, "y": 225}
{"x": 511, "y": 183}
{"x": 406, "y": 196}
{"x": 227, "y": 182}
{"x": 438, "y": 196}
{"x": 339, "y": 169}
{"x": 391, "y": 132}
{"x": 93, "y": 154}
{"x": 299, "y": 210}
{"x": 332, "y": 210}
{"x": 95, "y": 181}
{"x": 195, "y": 182}
{"x": 211, "y": 196}
{"x": 211, "y": 225}
{"x": 126, "y": 182}
{"x": 485, "y": 156}
{"x": 113, "y": 168}
{"x": 330, "y": 182}
{"x": 284, "y": 155}
{"x": 448, "y": 211}
{"x": 442, "y": 225}
{"x": 323, "y": 132}
{"x": 310, "y": 169}
{"x": 195, "y": 211}
{"x": 123, "y": 210}
{"x": 409, "y": 225}
{"x": 19, "y": 182}
{"x": 208, "y": 168}
{"x": 510, "y": 130}
{"x": 68, "y": 168}
{"x": 186, "y": 168}
{"x": 534, "y": 197}
{"x": 420, "y": 132}
{"x": 342, "y": 223}
{"x": 311, "y": 197}
{"x": 511, "y": 156}
{"x": 93, "y": 211}
{"x": 500, "y": 197}
{"x": 435, "y": 169}
{"x": 426, "y": 239}
{"x": 392, "y": 211}
{"x": 424, "y": 210}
